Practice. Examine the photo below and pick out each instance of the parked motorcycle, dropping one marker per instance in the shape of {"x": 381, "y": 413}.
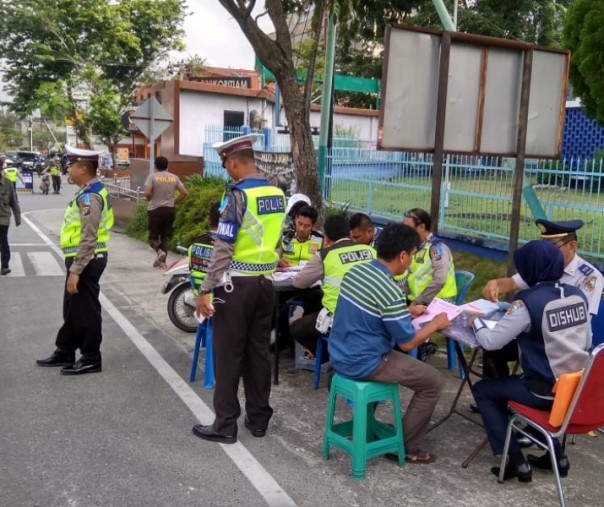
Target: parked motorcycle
{"x": 182, "y": 301}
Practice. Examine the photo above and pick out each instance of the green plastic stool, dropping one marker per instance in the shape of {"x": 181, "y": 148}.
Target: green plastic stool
{"x": 370, "y": 438}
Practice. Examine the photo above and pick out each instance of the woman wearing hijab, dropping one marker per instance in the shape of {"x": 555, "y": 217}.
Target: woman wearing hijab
{"x": 550, "y": 324}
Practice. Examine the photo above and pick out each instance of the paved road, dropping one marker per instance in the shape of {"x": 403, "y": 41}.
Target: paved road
{"x": 123, "y": 437}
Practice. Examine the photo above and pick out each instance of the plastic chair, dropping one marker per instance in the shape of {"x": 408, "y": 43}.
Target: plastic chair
{"x": 204, "y": 338}
{"x": 585, "y": 414}
{"x": 463, "y": 280}
{"x": 370, "y": 438}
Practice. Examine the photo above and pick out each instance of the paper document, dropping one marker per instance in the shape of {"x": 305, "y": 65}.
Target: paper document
{"x": 434, "y": 308}
{"x": 480, "y": 307}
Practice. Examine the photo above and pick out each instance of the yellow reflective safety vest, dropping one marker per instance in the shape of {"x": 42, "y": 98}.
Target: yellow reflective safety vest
{"x": 54, "y": 171}
{"x": 296, "y": 251}
{"x": 71, "y": 230}
{"x": 200, "y": 256}
{"x": 420, "y": 271}
{"x": 11, "y": 173}
{"x": 257, "y": 236}
{"x": 337, "y": 261}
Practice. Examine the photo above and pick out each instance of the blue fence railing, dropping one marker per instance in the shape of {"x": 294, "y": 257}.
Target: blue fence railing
{"x": 476, "y": 191}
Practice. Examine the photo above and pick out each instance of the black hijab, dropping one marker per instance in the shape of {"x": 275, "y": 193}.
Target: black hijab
{"x": 539, "y": 261}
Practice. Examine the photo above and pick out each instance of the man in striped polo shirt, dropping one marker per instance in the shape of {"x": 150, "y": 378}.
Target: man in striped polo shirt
{"x": 372, "y": 326}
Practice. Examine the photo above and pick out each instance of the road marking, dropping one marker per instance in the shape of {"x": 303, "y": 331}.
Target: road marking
{"x": 16, "y": 265}
{"x": 27, "y": 244}
{"x": 264, "y": 483}
{"x": 45, "y": 264}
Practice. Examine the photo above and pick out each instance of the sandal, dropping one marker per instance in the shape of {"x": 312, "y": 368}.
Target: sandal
{"x": 420, "y": 458}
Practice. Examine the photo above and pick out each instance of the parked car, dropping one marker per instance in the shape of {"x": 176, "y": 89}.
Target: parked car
{"x": 26, "y": 160}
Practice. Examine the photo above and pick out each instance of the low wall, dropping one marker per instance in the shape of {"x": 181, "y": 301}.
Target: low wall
{"x": 123, "y": 211}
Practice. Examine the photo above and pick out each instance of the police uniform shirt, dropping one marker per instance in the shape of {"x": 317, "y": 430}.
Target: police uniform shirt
{"x": 91, "y": 208}
{"x": 441, "y": 258}
{"x": 579, "y": 273}
{"x": 313, "y": 271}
{"x": 564, "y": 330}
{"x": 8, "y": 201}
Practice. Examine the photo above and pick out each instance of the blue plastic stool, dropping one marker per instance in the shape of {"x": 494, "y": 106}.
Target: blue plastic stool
{"x": 321, "y": 346}
{"x": 203, "y": 338}
{"x": 370, "y": 438}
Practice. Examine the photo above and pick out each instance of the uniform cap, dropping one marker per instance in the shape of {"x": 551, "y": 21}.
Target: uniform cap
{"x": 231, "y": 146}
{"x": 558, "y": 230}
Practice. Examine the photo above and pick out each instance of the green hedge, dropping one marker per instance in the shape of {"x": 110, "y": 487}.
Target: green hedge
{"x": 191, "y": 215}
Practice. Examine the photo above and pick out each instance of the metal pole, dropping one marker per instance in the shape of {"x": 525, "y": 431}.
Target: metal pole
{"x": 151, "y": 135}
{"x": 525, "y": 96}
{"x": 326, "y": 98}
{"x": 455, "y": 6}
{"x": 439, "y": 135}
{"x": 443, "y": 14}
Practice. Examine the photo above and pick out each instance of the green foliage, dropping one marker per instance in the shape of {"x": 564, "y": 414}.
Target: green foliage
{"x": 584, "y": 36}
{"x": 139, "y": 225}
{"x": 192, "y": 215}
{"x": 57, "y": 51}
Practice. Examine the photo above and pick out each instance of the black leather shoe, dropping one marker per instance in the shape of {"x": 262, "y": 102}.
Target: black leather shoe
{"x": 256, "y": 432}
{"x": 208, "y": 433}
{"x": 81, "y": 367}
{"x": 522, "y": 471}
{"x": 545, "y": 463}
{"x": 57, "y": 359}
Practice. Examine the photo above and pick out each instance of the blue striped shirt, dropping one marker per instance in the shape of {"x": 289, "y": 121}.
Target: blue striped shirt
{"x": 371, "y": 318}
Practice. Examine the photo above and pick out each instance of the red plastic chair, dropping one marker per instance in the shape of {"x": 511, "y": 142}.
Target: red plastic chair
{"x": 585, "y": 414}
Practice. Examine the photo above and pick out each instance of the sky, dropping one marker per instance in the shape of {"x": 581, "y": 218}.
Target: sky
{"x": 213, "y": 34}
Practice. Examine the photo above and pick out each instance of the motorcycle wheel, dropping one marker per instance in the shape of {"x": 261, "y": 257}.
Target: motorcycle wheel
{"x": 180, "y": 314}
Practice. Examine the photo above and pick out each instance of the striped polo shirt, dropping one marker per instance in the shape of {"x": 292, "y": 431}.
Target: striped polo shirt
{"x": 371, "y": 318}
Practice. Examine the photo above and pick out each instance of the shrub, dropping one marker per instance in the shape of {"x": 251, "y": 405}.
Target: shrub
{"x": 192, "y": 215}
{"x": 138, "y": 227}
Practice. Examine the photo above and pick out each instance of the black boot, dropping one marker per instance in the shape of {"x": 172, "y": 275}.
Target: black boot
{"x": 544, "y": 462}
{"x": 517, "y": 466}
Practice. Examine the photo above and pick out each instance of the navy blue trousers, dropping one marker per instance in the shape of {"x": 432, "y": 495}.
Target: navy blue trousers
{"x": 492, "y": 396}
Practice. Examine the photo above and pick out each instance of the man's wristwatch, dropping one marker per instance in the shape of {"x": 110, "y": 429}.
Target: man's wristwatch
{"x": 205, "y": 292}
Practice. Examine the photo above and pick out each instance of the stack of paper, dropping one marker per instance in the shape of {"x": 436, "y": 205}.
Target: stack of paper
{"x": 480, "y": 307}
{"x": 434, "y": 308}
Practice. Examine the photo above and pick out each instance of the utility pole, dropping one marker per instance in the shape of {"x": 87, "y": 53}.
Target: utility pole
{"x": 326, "y": 97}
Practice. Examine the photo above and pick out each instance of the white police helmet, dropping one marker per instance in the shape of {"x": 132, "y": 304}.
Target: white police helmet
{"x": 295, "y": 202}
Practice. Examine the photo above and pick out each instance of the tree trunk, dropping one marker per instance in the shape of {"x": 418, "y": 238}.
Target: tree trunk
{"x": 276, "y": 55}
{"x": 303, "y": 150}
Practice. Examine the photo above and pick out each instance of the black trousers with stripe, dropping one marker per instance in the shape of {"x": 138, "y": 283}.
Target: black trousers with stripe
{"x": 242, "y": 331}
{"x": 82, "y": 321}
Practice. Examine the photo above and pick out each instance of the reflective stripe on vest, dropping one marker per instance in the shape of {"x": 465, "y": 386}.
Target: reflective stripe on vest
{"x": 71, "y": 230}
{"x": 337, "y": 262}
{"x": 258, "y": 236}
{"x": 420, "y": 274}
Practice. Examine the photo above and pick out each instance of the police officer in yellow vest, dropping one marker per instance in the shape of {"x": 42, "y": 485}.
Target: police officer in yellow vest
{"x": 200, "y": 251}
{"x": 12, "y": 174}
{"x": 305, "y": 242}
{"x": 329, "y": 265}
{"x": 245, "y": 256}
{"x": 84, "y": 236}
{"x": 56, "y": 176}
{"x": 432, "y": 273}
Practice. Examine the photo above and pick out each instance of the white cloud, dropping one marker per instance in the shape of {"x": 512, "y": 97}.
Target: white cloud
{"x": 213, "y": 34}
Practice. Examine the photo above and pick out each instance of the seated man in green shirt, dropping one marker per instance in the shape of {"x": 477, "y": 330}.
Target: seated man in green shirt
{"x": 372, "y": 325}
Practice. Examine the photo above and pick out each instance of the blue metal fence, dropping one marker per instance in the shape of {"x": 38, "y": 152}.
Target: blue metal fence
{"x": 476, "y": 191}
